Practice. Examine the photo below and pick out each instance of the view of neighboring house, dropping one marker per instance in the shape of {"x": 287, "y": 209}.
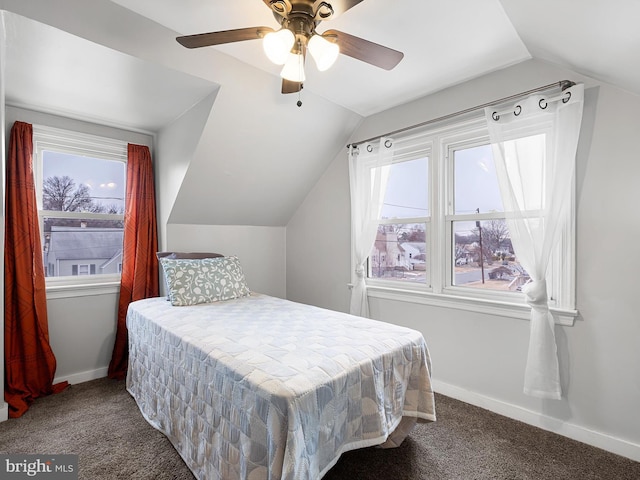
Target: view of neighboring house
{"x": 82, "y": 251}
{"x": 392, "y": 257}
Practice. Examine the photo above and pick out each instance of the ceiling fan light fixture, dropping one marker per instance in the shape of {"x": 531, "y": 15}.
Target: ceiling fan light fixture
{"x": 323, "y": 52}
{"x": 293, "y": 69}
{"x": 277, "y": 45}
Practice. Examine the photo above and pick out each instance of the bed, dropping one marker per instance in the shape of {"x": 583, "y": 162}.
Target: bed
{"x": 257, "y": 387}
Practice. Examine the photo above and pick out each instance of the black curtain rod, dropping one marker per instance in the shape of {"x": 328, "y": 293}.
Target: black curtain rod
{"x": 563, "y": 84}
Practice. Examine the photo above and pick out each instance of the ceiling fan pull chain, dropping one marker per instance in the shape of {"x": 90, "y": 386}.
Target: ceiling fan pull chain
{"x": 300, "y": 71}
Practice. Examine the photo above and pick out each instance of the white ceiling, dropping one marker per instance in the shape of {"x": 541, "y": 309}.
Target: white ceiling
{"x": 598, "y": 38}
{"x": 433, "y": 35}
{"x": 117, "y": 62}
{"x": 444, "y": 42}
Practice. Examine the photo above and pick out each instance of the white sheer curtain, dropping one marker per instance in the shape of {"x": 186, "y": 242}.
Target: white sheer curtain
{"x": 534, "y": 148}
{"x": 369, "y": 167}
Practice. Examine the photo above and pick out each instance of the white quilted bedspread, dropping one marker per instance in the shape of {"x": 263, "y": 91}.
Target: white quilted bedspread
{"x": 264, "y": 388}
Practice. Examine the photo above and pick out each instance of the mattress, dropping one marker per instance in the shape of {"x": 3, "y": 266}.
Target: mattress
{"x": 264, "y": 388}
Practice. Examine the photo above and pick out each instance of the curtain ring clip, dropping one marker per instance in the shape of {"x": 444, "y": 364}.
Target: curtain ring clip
{"x": 495, "y": 116}
{"x": 518, "y": 110}
{"x": 369, "y": 148}
{"x": 540, "y": 103}
{"x": 387, "y": 143}
{"x": 565, "y": 100}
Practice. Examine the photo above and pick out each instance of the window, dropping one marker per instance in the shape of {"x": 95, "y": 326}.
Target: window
{"x": 443, "y": 238}
{"x": 481, "y": 251}
{"x": 83, "y": 269}
{"x": 80, "y": 181}
{"x": 399, "y": 253}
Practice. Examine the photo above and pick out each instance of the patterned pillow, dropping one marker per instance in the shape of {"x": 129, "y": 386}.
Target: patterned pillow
{"x": 194, "y": 281}
{"x": 180, "y": 255}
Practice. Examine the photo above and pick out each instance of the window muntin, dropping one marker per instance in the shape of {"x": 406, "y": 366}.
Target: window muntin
{"x": 449, "y": 215}
{"x": 80, "y": 192}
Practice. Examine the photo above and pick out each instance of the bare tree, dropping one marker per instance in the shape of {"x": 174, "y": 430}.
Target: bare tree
{"x": 61, "y": 193}
{"x": 113, "y": 208}
{"x": 410, "y": 234}
{"x": 462, "y": 243}
{"x": 483, "y": 256}
{"x": 495, "y": 235}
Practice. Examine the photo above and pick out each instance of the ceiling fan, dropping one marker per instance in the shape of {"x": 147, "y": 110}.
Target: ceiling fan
{"x": 288, "y": 45}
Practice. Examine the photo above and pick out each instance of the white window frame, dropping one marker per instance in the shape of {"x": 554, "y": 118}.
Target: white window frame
{"x": 47, "y": 138}
{"x": 439, "y": 290}
{"x": 405, "y": 150}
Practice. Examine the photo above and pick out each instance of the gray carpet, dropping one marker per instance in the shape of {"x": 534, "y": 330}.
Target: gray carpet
{"x": 100, "y": 422}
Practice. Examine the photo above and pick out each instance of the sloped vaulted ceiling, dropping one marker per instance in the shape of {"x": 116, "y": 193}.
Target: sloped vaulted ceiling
{"x": 597, "y": 38}
{"x": 56, "y": 72}
{"x": 259, "y": 154}
{"x": 445, "y": 43}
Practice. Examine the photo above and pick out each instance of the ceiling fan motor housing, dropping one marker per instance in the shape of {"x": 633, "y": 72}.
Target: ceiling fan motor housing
{"x": 299, "y": 17}
{"x": 315, "y": 9}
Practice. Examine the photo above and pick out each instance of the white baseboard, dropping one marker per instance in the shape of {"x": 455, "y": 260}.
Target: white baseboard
{"x": 83, "y": 376}
{"x": 72, "y": 379}
{"x": 575, "y": 432}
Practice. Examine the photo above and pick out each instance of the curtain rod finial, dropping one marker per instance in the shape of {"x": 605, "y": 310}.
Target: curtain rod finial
{"x": 564, "y": 84}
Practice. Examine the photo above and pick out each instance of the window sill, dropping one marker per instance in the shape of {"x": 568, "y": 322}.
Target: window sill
{"x": 521, "y": 311}
{"x": 85, "y": 290}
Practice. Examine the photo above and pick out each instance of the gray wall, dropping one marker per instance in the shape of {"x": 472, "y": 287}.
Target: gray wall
{"x": 176, "y": 145}
{"x": 261, "y": 250}
{"x": 481, "y": 358}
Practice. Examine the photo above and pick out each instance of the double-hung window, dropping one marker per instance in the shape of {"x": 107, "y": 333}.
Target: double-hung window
{"x": 80, "y": 182}
{"x": 442, "y": 237}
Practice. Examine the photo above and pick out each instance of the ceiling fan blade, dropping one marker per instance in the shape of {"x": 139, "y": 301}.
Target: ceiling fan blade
{"x": 226, "y": 36}
{"x": 364, "y": 50}
{"x": 290, "y": 87}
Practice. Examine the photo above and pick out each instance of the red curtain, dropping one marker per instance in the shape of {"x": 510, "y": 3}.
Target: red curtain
{"x": 30, "y": 364}
{"x": 139, "y": 262}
